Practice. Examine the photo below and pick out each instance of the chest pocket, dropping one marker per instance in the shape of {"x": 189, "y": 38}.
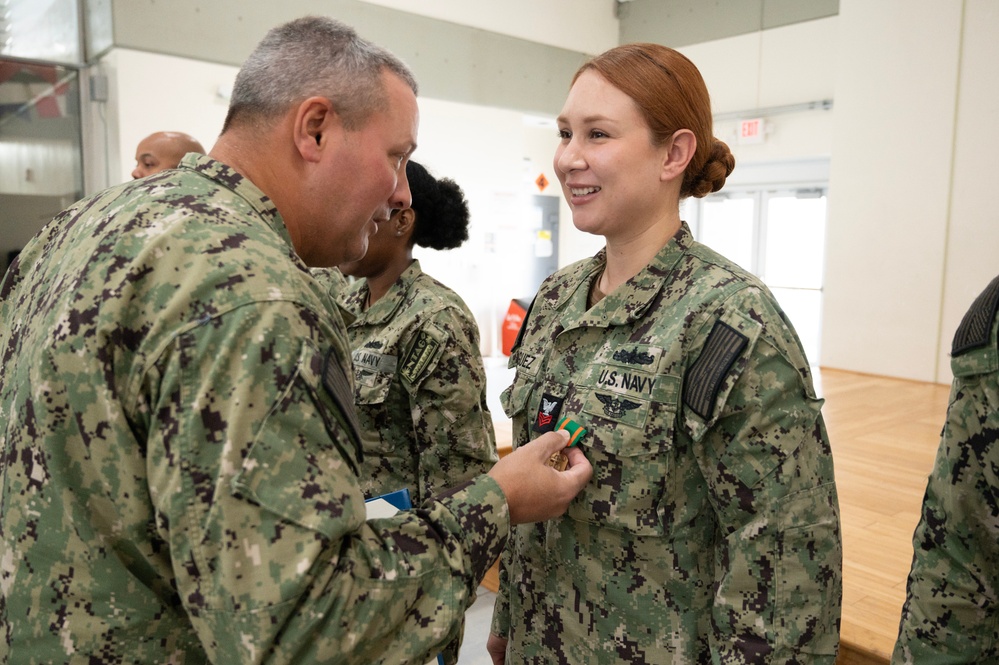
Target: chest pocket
{"x": 631, "y": 423}
{"x": 514, "y": 398}
{"x": 373, "y": 374}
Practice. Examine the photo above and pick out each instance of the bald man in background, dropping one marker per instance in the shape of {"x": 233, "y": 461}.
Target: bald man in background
{"x": 161, "y": 151}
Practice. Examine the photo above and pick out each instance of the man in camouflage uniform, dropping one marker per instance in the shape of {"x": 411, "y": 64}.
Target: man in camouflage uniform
{"x": 951, "y": 613}
{"x": 332, "y": 281}
{"x": 420, "y": 387}
{"x": 179, "y": 442}
{"x": 710, "y": 530}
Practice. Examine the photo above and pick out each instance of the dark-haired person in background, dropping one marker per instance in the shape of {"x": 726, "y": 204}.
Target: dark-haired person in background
{"x": 419, "y": 382}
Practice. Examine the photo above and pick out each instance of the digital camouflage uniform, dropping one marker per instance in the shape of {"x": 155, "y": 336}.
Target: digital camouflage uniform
{"x": 710, "y": 530}
{"x": 419, "y": 387}
{"x": 331, "y": 280}
{"x": 420, "y": 390}
{"x": 950, "y": 613}
{"x": 178, "y": 471}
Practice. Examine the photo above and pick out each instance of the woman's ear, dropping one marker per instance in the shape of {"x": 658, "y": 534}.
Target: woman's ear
{"x": 404, "y": 222}
{"x": 315, "y": 122}
{"x": 679, "y": 151}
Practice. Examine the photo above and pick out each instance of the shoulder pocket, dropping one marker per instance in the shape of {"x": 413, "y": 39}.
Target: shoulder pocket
{"x": 712, "y": 375}
{"x": 302, "y": 462}
{"x": 809, "y": 564}
{"x": 422, "y": 355}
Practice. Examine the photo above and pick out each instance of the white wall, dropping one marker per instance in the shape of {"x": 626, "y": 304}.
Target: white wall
{"x": 767, "y": 69}
{"x": 889, "y": 186}
{"x": 972, "y": 252}
{"x": 151, "y": 92}
{"x": 910, "y": 240}
{"x": 911, "y": 237}
{"x": 588, "y": 26}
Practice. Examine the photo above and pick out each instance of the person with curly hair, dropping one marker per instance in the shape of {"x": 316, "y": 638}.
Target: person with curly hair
{"x": 709, "y": 532}
{"x": 419, "y": 381}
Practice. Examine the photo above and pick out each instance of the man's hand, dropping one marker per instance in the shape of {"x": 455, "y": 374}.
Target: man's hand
{"x": 535, "y": 491}
{"x": 496, "y": 646}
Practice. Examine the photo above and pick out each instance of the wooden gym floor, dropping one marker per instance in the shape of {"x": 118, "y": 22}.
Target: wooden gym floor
{"x": 884, "y": 434}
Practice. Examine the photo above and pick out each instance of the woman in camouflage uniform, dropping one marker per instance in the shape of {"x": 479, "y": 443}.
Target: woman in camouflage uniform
{"x": 420, "y": 386}
{"x": 710, "y": 530}
{"x": 419, "y": 382}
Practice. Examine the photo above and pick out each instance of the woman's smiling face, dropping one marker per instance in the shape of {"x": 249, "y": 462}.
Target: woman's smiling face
{"x": 610, "y": 171}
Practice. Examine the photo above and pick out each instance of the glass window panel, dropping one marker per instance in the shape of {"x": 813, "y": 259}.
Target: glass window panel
{"x": 41, "y": 170}
{"x": 727, "y": 227}
{"x": 803, "y": 308}
{"x": 795, "y": 241}
{"x": 99, "y": 27}
{"x": 40, "y": 30}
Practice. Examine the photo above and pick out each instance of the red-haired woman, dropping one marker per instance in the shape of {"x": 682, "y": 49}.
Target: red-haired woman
{"x": 710, "y": 529}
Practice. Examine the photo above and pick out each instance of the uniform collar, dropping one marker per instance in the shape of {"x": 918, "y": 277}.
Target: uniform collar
{"x": 385, "y": 309}
{"x": 629, "y": 301}
{"x": 225, "y": 176}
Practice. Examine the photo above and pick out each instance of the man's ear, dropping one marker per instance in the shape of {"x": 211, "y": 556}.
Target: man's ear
{"x": 679, "y": 151}
{"x": 315, "y": 124}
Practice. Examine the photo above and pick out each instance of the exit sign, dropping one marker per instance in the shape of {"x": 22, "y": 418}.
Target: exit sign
{"x": 751, "y": 130}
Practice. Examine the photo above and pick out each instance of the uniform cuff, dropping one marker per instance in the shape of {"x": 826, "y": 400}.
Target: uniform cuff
{"x": 481, "y": 511}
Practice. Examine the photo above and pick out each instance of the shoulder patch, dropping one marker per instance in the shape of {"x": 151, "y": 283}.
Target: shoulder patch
{"x": 722, "y": 347}
{"x": 420, "y": 354}
{"x": 976, "y": 326}
{"x": 338, "y": 386}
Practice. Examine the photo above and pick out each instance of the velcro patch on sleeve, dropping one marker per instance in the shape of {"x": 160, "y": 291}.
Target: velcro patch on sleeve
{"x": 421, "y": 354}
{"x": 338, "y": 386}
{"x": 976, "y": 326}
{"x": 705, "y": 377}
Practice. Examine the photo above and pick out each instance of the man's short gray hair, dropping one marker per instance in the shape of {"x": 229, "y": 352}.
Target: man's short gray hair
{"x": 313, "y": 56}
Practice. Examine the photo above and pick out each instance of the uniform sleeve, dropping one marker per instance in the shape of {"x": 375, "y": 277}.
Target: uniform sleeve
{"x": 451, "y": 421}
{"x": 251, "y": 473}
{"x": 765, "y": 456}
{"x": 951, "y": 613}
{"x": 500, "y": 624}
